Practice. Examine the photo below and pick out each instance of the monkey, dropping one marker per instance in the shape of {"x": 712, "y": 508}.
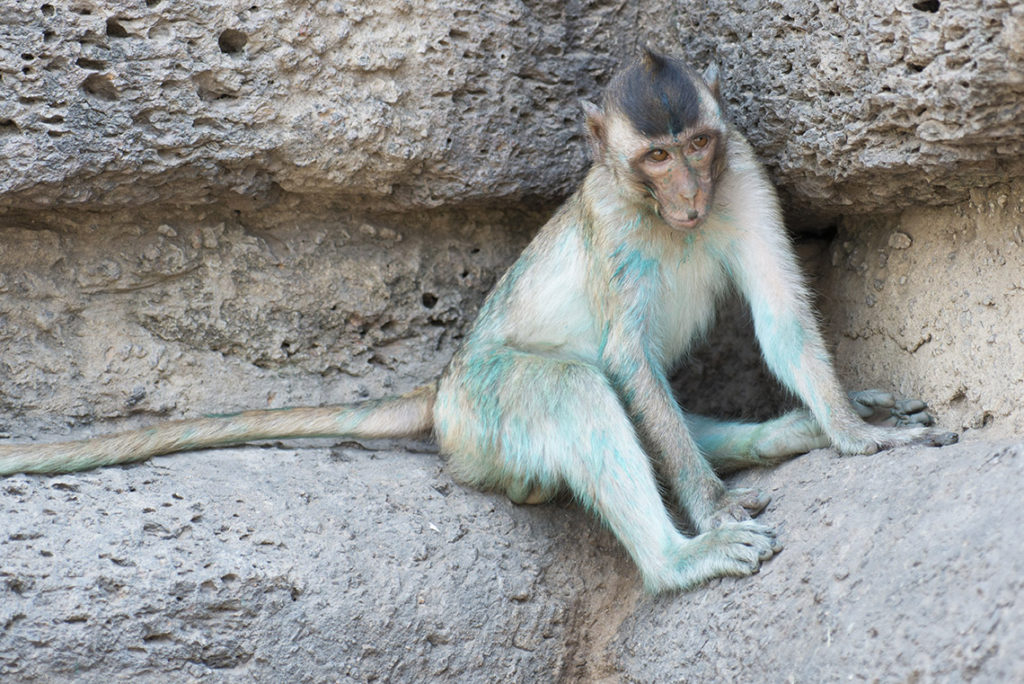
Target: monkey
{"x": 562, "y": 384}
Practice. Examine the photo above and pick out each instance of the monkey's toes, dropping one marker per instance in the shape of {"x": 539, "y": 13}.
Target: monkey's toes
{"x": 748, "y": 541}
{"x": 941, "y": 439}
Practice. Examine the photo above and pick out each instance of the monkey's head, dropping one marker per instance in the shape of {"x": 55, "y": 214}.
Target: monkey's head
{"x": 661, "y": 130}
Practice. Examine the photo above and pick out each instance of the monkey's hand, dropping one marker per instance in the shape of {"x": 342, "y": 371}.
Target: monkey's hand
{"x": 735, "y": 505}
{"x": 883, "y": 408}
{"x": 734, "y": 549}
{"x": 897, "y": 423}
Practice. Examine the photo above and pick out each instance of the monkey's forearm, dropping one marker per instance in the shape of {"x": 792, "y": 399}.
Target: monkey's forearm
{"x": 662, "y": 426}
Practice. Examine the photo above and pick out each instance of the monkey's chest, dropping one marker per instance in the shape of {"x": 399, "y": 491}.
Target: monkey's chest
{"x": 684, "y": 306}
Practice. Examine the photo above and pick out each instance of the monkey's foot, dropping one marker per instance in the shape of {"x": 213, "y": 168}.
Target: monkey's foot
{"x": 869, "y": 439}
{"x": 735, "y": 549}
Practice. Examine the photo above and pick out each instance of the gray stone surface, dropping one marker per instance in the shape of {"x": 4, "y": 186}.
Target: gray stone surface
{"x": 117, "y": 102}
{"x": 901, "y": 566}
{"x": 146, "y": 312}
{"x": 856, "y": 106}
{"x": 341, "y": 564}
{"x": 271, "y": 564}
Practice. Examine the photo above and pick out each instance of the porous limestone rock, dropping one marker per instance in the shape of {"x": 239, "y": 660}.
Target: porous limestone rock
{"x": 856, "y": 106}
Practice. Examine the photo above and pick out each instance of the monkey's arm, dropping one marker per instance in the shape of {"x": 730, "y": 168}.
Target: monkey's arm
{"x": 641, "y": 383}
{"x": 791, "y": 342}
{"x": 734, "y": 445}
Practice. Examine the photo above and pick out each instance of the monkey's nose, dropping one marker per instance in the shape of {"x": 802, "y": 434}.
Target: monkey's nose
{"x": 692, "y": 214}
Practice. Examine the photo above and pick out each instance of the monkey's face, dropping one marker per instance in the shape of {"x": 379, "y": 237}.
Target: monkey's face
{"x": 679, "y": 174}
{"x": 662, "y": 132}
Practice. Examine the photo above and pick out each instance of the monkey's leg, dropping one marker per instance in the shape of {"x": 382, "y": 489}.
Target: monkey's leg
{"x": 517, "y": 421}
{"x": 731, "y": 445}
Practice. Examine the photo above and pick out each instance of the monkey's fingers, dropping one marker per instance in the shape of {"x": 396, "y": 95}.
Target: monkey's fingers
{"x": 907, "y": 412}
{"x": 869, "y": 402}
{"x": 943, "y": 438}
{"x": 882, "y": 408}
{"x": 912, "y": 412}
{"x": 751, "y": 500}
{"x": 736, "y": 505}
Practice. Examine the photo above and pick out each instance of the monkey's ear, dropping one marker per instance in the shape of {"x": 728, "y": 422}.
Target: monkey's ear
{"x": 597, "y": 131}
{"x": 711, "y": 78}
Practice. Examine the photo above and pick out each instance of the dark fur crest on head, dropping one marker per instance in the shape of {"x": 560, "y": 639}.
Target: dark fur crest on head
{"x": 657, "y": 95}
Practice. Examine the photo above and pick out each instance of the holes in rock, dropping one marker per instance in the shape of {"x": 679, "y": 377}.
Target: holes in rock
{"x": 8, "y": 126}
{"x": 916, "y": 68}
{"x": 27, "y": 56}
{"x": 926, "y": 6}
{"x": 116, "y": 30}
{"x": 231, "y": 41}
{"x": 429, "y": 300}
{"x": 159, "y": 31}
{"x": 100, "y": 85}
{"x": 47, "y": 10}
{"x": 91, "y": 64}
{"x": 152, "y": 3}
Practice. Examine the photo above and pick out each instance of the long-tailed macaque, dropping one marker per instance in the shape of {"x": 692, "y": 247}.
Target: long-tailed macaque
{"x": 563, "y": 382}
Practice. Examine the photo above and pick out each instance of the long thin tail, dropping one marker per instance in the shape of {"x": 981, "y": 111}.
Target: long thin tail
{"x": 405, "y": 416}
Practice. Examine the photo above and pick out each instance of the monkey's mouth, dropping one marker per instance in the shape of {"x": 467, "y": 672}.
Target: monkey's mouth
{"x": 682, "y": 220}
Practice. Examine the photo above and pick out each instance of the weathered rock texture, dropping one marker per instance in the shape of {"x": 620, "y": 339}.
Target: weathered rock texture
{"x": 339, "y": 564}
{"x": 857, "y": 105}
{"x": 207, "y": 309}
{"x": 872, "y": 106}
{"x": 218, "y": 205}
{"x": 931, "y": 302}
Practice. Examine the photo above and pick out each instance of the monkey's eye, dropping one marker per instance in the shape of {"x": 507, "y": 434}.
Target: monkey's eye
{"x": 657, "y": 155}
{"x": 699, "y": 142}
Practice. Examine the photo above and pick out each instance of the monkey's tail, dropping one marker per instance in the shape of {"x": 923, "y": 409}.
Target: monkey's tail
{"x": 405, "y": 416}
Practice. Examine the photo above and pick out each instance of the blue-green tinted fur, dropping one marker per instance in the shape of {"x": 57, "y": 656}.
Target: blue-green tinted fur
{"x": 563, "y": 380}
